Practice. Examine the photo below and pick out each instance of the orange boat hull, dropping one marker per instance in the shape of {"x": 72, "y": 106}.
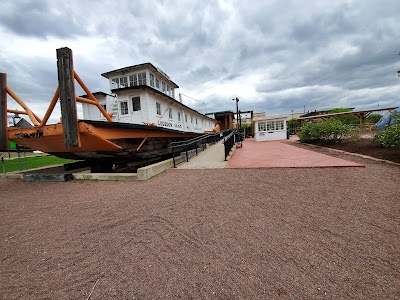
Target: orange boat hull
{"x": 99, "y": 140}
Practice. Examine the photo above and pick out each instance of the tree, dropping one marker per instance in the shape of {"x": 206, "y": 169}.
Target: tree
{"x": 345, "y": 119}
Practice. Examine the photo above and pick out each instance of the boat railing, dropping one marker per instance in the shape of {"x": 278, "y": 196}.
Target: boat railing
{"x": 235, "y": 137}
{"x": 191, "y": 147}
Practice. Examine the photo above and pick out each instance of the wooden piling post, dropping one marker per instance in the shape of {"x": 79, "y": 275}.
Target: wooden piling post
{"x": 3, "y": 113}
{"x": 66, "y": 84}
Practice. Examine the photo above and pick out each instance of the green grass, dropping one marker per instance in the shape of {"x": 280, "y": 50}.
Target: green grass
{"x": 32, "y": 162}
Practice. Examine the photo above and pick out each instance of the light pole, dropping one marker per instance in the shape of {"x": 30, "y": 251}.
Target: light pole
{"x": 237, "y": 112}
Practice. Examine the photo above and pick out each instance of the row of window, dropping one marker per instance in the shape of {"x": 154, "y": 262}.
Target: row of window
{"x": 170, "y": 116}
{"x": 136, "y": 107}
{"x": 271, "y": 125}
{"x": 140, "y": 79}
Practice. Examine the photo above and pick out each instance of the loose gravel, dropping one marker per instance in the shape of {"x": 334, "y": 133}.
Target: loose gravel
{"x": 330, "y": 233}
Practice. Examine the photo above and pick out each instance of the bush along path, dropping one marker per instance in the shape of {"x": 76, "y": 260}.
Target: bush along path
{"x": 328, "y": 130}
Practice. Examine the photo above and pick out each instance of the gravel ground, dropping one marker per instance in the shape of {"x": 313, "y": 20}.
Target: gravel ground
{"x": 321, "y": 233}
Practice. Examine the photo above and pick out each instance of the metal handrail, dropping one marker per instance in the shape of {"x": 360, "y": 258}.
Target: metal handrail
{"x": 204, "y": 136}
{"x": 230, "y": 140}
{"x": 194, "y": 143}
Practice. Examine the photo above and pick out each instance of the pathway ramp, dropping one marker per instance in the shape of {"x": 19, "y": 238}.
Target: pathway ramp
{"x": 279, "y": 154}
{"x": 211, "y": 158}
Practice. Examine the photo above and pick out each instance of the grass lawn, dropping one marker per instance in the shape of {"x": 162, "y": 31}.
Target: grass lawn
{"x": 33, "y": 162}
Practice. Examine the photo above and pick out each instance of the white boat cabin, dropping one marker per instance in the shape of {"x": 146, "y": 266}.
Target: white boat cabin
{"x": 270, "y": 128}
{"x": 143, "y": 94}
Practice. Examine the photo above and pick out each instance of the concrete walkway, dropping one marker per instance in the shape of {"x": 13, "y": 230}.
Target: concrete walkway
{"x": 279, "y": 154}
{"x": 211, "y": 158}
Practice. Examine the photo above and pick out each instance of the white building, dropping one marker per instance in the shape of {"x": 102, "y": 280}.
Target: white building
{"x": 143, "y": 94}
{"x": 269, "y": 128}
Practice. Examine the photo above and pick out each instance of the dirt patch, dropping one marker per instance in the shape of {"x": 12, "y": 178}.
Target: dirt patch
{"x": 329, "y": 233}
{"x": 366, "y": 146}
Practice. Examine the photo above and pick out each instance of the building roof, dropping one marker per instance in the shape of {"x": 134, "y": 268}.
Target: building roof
{"x": 228, "y": 112}
{"x": 126, "y": 70}
{"x": 274, "y": 117}
{"x": 99, "y": 93}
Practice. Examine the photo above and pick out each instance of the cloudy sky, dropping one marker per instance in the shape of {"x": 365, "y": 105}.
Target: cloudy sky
{"x": 275, "y": 56}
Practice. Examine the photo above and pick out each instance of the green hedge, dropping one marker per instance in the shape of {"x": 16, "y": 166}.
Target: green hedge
{"x": 328, "y": 130}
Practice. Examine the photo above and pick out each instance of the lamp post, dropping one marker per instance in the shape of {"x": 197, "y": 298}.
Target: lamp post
{"x": 237, "y": 112}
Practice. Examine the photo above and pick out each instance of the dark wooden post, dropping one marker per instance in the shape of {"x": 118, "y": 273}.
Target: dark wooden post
{"x": 69, "y": 117}
{"x": 3, "y": 113}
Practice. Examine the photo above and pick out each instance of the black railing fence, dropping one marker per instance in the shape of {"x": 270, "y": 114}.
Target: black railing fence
{"x": 230, "y": 140}
{"x": 189, "y": 148}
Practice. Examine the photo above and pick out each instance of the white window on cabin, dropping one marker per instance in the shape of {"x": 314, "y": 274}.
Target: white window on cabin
{"x": 133, "y": 80}
{"x": 262, "y": 126}
{"x": 157, "y": 83}
{"x": 196, "y": 122}
{"x": 280, "y": 125}
{"x": 270, "y": 125}
{"x": 142, "y": 78}
{"x": 170, "y": 114}
{"x": 123, "y": 82}
{"x": 163, "y": 86}
{"x": 185, "y": 118}
{"x": 114, "y": 83}
{"x": 191, "y": 119}
{"x": 124, "y": 107}
{"x": 179, "y": 116}
{"x": 105, "y": 108}
{"x": 158, "y": 108}
{"x": 136, "y": 103}
{"x": 152, "y": 80}
{"x": 167, "y": 89}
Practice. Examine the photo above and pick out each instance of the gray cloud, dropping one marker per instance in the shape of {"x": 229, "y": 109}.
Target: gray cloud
{"x": 41, "y": 19}
{"x": 291, "y": 54}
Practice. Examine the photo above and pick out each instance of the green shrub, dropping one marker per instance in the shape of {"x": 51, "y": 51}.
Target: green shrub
{"x": 346, "y": 119}
{"x": 328, "y": 130}
{"x": 291, "y": 124}
{"x": 373, "y": 118}
{"x": 390, "y": 137}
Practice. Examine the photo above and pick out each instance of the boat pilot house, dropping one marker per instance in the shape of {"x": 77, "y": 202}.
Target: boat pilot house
{"x": 143, "y": 94}
{"x": 269, "y": 128}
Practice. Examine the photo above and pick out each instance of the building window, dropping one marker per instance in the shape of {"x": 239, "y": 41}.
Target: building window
{"x": 170, "y": 114}
{"x": 191, "y": 119}
{"x": 262, "y": 126}
{"x": 133, "y": 80}
{"x": 185, "y": 118}
{"x": 136, "y": 103}
{"x": 179, "y": 116}
{"x": 280, "y": 125}
{"x": 157, "y": 83}
{"x": 124, "y": 107}
{"x": 168, "y": 90}
{"x": 104, "y": 106}
{"x": 163, "y": 87}
{"x": 142, "y": 78}
{"x": 123, "y": 82}
{"x": 158, "y": 108}
{"x": 114, "y": 83}
{"x": 152, "y": 80}
{"x": 196, "y": 121}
